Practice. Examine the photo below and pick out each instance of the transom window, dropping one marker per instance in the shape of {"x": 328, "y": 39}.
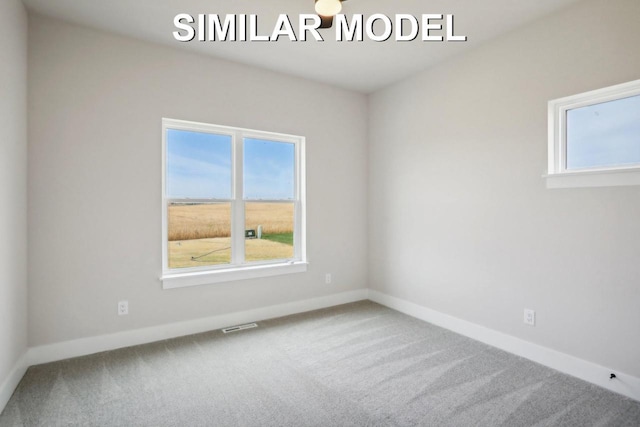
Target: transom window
{"x": 594, "y": 138}
{"x": 233, "y": 203}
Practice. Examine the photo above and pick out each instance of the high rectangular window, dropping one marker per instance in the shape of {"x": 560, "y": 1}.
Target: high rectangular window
{"x": 604, "y": 135}
{"x": 594, "y": 138}
{"x": 233, "y": 203}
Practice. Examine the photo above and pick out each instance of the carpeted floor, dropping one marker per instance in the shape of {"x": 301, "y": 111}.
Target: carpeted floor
{"x": 354, "y": 365}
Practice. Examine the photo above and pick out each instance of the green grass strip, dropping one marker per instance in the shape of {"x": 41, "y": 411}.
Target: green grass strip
{"x": 286, "y": 238}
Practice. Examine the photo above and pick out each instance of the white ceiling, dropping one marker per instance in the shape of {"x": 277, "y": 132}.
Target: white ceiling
{"x": 362, "y": 66}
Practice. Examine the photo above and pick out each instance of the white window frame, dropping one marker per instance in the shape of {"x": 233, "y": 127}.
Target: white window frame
{"x": 557, "y": 174}
{"x": 237, "y": 269}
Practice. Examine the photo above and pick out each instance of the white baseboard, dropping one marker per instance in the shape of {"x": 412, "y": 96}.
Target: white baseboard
{"x": 624, "y": 384}
{"x": 11, "y": 382}
{"x": 90, "y": 345}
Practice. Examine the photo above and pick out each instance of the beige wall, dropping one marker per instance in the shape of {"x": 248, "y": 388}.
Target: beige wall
{"x": 13, "y": 185}
{"x": 460, "y": 219}
{"x": 95, "y": 104}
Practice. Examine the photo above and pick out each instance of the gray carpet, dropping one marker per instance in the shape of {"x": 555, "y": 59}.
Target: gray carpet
{"x": 354, "y": 365}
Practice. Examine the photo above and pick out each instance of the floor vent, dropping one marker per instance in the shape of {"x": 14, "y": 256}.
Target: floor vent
{"x": 239, "y": 327}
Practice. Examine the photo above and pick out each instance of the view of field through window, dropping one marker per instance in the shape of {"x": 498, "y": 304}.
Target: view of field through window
{"x": 201, "y": 194}
{"x": 199, "y": 234}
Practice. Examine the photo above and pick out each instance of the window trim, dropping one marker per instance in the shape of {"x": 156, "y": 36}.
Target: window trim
{"x": 557, "y": 174}
{"x": 235, "y": 270}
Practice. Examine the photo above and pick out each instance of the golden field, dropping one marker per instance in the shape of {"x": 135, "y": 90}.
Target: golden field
{"x": 188, "y": 222}
{"x": 200, "y": 235}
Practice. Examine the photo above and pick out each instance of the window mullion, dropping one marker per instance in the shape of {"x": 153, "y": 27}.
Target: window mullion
{"x": 296, "y": 204}
{"x": 237, "y": 233}
{"x": 300, "y": 195}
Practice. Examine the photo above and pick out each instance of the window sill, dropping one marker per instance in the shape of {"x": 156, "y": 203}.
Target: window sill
{"x": 600, "y": 178}
{"x": 181, "y": 280}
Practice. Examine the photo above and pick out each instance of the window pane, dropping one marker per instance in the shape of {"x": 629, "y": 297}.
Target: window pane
{"x": 198, "y": 165}
{"x": 604, "y": 135}
{"x": 199, "y": 234}
{"x": 268, "y": 170}
{"x": 272, "y": 226}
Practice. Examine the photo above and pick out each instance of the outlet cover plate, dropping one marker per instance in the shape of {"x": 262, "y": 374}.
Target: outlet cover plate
{"x": 529, "y": 317}
{"x": 123, "y": 308}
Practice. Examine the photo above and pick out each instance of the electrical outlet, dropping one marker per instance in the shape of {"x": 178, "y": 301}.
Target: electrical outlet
{"x": 529, "y": 317}
{"x": 123, "y": 308}
{"x": 327, "y": 278}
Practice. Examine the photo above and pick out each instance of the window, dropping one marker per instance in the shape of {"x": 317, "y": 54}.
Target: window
{"x": 233, "y": 204}
{"x": 594, "y": 138}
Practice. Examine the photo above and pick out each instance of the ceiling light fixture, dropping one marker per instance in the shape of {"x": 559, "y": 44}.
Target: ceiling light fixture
{"x": 327, "y": 9}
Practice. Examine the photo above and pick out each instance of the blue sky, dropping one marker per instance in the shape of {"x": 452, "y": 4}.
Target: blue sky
{"x": 606, "y": 134}
{"x": 268, "y": 170}
{"x": 199, "y": 167}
